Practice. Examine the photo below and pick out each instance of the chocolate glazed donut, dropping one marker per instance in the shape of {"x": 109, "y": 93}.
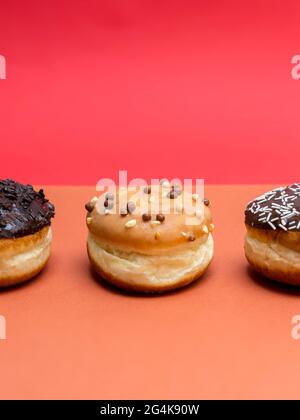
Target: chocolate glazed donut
{"x": 272, "y": 243}
{"x": 25, "y": 233}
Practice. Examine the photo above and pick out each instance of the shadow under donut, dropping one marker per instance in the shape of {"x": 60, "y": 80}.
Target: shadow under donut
{"x": 272, "y": 285}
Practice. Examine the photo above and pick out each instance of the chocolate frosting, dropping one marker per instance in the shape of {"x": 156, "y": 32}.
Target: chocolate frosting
{"x": 23, "y": 211}
{"x": 276, "y": 210}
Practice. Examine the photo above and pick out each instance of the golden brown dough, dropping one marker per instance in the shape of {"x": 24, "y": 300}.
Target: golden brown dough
{"x": 153, "y": 251}
{"x": 23, "y": 258}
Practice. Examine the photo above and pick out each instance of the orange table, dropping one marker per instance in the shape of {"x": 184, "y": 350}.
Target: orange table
{"x": 226, "y": 336}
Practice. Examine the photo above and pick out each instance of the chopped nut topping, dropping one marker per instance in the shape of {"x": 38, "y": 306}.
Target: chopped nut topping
{"x": 155, "y": 223}
{"x": 130, "y": 223}
{"x": 205, "y": 229}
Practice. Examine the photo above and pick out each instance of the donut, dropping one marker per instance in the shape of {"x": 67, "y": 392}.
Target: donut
{"x": 25, "y": 232}
{"x": 149, "y": 251}
{"x": 272, "y": 243}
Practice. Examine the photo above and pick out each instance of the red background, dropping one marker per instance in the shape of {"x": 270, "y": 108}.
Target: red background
{"x": 160, "y": 88}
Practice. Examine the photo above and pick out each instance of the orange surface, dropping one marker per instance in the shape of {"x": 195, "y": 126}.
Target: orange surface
{"x": 226, "y": 336}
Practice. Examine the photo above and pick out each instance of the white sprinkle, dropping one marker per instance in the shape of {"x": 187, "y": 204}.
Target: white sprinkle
{"x": 272, "y": 226}
{"x": 282, "y": 203}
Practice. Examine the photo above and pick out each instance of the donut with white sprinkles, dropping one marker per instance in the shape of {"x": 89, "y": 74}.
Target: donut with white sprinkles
{"x": 277, "y": 209}
{"x": 272, "y": 244}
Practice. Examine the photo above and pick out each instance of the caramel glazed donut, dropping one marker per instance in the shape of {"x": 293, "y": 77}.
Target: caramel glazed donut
{"x": 272, "y": 244}
{"x": 25, "y": 233}
{"x": 153, "y": 251}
